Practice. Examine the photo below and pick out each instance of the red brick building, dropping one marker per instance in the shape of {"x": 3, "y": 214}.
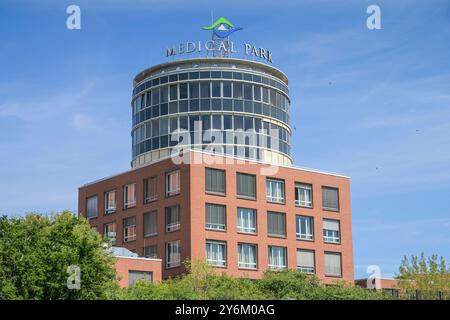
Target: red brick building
{"x": 178, "y": 225}
{"x": 235, "y": 200}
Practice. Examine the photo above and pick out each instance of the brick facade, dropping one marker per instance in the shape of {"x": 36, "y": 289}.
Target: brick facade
{"x": 193, "y": 198}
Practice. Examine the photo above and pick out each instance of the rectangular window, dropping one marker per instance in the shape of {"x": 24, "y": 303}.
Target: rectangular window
{"x": 275, "y": 190}
{"x": 138, "y": 102}
{"x": 92, "y": 207}
{"x": 134, "y": 276}
{"x": 110, "y": 202}
{"x": 257, "y": 92}
{"x": 204, "y": 89}
{"x": 331, "y": 232}
{"x": 277, "y": 258}
{"x": 215, "y": 181}
{"x": 238, "y": 123}
{"x": 150, "y": 189}
{"x": 193, "y": 90}
{"x": 333, "y": 264}
{"x": 248, "y": 94}
{"x": 163, "y": 126}
{"x": 129, "y": 195}
{"x": 276, "y": 224}
{"x": 246, "y": 220}
{"x": 109, "y": 232}
{"x": 129, "y": 229}
{"x": 226, "y": 89}
{"x": 217, "y": 122}
{"x": 237, "y": 90}
{"x": 305, "y": 228}
{"x": 172, "y": 183}
{"x": 216, "y": 89}
{"x": 216, "y": 253}
{"x": 172, "y": 218}
{"x": 173, "y": 256}
{"x": 151, "y": 252}
{"x": 305, "y": 261}
{"x": 330, "y": 198}
{"x": 227, "y": 122}
{"x": 265, "y": 94}
{"x": 247, "y": 256}
{"x": 303, "y": 195}
{"x": 150, "y": 224}
{"x": 183, "y": 91}
{"x": 173, "y": 92}
{"x": 149, "y": 99}
{"x": 164, "y": 91}
{"x": 246, "y": 185}
{"x": 155, "y": 96}
{"x": 272, "y": 97}
{"x": 215, "y": 217}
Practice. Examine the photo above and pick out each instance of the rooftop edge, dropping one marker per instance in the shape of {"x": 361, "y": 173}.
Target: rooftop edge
{"x": 224, "y": 156}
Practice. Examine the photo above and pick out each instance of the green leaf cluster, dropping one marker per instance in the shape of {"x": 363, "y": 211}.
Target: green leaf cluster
{"x": 36, "y": 250}
{"x": 204, "y": 282}
{"x": 428, "y": 275}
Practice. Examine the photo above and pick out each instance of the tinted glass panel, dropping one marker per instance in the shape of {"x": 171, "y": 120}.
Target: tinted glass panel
{"x": 238, "y": 122}
{"x": 237, "y": 90}
{"x": 205, "y": 75}
{"x": 227, "y": 89}
{"x": 217, "y": 122}
{"x": 183, "y": 76}
{"x": 173, "y": 92}
{"x": 248, "y": 91}
{"x": 193, "y": 90}
{"x": 227, "y": 122}
{"x": 216, "y": 89}
{"x": 164, "y": 93}
{"x": 227, "y": 75}
{"x": 193, "y": 75}
{"x": 204, "y": 89}
{"x": 183, "y": 91}
{"x": 215, "y": 74}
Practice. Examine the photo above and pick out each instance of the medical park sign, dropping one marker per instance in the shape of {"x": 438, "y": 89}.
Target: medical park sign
{"x": 220, "y": 45}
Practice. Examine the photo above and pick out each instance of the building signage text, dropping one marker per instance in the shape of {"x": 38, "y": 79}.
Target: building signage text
{"x": 218, "y": 48}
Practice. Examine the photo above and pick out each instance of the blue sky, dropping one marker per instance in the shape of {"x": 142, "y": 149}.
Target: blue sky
{"x": 374, "y": 105}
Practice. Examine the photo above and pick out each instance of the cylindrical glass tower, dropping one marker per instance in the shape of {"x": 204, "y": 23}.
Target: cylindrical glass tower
{"x": 228, "y": 106}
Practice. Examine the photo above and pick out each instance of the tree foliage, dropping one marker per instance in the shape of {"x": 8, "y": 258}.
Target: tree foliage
{"x": 204, "y": 282}
{"x": 428, "y": 275}
{"x": 36, "y": 250}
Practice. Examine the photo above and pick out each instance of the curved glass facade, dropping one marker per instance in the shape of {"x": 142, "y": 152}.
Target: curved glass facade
{"x": 236, "y": 108}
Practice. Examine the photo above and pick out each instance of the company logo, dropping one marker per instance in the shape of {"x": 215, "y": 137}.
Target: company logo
{"x": 222, "y": 28}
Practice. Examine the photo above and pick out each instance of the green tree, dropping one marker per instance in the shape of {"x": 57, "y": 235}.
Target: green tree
{"x": 204, "y": 282}
{"x": 292, "y": 284}
{"x": 289, "y": 284}
{"x": 429, "y": 275}
{"x": 36, "y": 250}
{"x": 200, "y": 282}
{"x": 342, "y": 290}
